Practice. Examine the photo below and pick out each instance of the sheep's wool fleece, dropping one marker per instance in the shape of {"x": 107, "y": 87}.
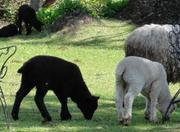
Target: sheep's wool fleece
{"x": 152, "y": 42}
{"x": 140, "y": 70}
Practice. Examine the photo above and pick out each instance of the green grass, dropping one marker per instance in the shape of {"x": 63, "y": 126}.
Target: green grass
{"x": 96, "y": 48}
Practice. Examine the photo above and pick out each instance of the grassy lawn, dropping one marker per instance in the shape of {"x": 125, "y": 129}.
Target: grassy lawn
{"x": 96, "y": 48}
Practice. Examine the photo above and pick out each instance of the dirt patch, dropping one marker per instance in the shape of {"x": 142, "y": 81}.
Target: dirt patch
{"x": 71, "y": 20}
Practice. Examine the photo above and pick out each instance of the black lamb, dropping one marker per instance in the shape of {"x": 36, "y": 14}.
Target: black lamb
{"x": 9, "y": 30}
{"x": 63, "y": 78}
{"x": 27, "y": 15}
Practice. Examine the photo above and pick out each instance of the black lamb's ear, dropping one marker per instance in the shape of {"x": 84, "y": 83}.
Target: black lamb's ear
{"x": 95, "y": 97}
{"x": 92, "y": 98}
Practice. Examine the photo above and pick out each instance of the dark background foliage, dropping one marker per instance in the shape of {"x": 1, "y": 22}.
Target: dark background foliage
{"x": 151, "y": 11}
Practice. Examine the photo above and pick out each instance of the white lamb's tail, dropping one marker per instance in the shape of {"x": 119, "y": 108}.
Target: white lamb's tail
{"x": 119, "y": 85}
{"x": 119, "y": 88}
{"x": 119, "y": 71}
{"x": 118, "y": 78}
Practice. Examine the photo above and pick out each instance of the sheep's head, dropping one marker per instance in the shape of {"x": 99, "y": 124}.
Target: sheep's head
{"x": 37, "y": 25}
{"x": 88, "y": 106}
{"x": 167, "y": 113}
{"x": 170, "y": 107}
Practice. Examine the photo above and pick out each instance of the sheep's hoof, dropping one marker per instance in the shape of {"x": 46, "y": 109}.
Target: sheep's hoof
{"x": 154, "y": 121}
{"x": 120, "y": 122}
{"x": 66, "y": 117}
{"x": 46, "y": 121}
{"x": 146, "y": 117}
{"x": 126, "y": 121}
{"x": 15, "y": 117}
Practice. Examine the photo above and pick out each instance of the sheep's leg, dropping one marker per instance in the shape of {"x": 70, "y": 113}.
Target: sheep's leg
{"x": 155, "y": 90}
{"x": 19, "y": 25}
{"x": 133, "y": 91}
{"x": 153, "y": 117}
{"x": 119, "y": 99}
{"x": 65, "y": 115}
{"x": 39, "y": 99}
{"x": 147, "y": 109}
{"x": 28, "y": 28}
{"x": 21, "y": 93}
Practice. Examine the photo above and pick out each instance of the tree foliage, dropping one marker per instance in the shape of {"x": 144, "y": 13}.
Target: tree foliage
{"x": 8, "y": 8}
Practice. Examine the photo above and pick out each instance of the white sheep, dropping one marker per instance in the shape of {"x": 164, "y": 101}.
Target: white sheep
{"x": 136, "y": 75}
{"x": 152, "y": 42}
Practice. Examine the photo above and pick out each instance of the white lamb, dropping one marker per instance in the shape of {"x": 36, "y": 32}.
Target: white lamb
{"x": 136, "y": 75}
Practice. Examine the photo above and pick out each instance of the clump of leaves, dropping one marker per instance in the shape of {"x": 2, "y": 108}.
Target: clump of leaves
{"x": 95, "y": 8}
{"x": 49, "y": 15}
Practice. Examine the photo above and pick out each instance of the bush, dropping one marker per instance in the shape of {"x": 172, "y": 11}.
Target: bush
{"x": 48, "y": 15}
{"x": 113, "y": 7}
{"x": 9, "y": 9}
{"x": 95, "y": 8}
{"x": 104, "y": 8}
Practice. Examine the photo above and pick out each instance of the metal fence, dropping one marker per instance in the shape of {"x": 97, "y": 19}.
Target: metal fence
{"x": 6, "y": 53}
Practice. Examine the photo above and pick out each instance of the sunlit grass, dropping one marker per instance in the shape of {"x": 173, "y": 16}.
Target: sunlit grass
{"x": 96, "y": 48}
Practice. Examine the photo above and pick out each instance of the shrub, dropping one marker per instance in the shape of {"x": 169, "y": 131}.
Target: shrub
{"x": 48, "y": 15}
{"x": 113, "y": 7}
{"x": 95, "y": 8}
{"x": 104, "y": 8}
{"x": 9, "y": 9}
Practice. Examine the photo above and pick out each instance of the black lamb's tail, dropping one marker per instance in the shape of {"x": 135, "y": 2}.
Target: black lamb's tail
{"x": 21, "y": 70}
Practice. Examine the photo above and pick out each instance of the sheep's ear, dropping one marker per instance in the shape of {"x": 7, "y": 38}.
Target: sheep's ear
{"x": 95, "y": 97}
{"x": 92, "y": 98}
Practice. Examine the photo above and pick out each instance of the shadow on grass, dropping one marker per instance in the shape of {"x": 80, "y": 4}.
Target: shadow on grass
{"x": 98, "y": 40}
{"x": 95, "y": 42}
{"x": 104, "y": 119}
